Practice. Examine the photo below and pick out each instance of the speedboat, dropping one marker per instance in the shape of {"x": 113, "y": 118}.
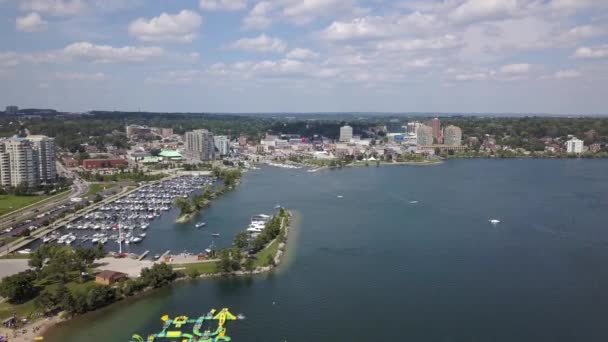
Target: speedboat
{"x": 340, "y": 196}
{"x": 494, "y": 221}
{"x": 200, "y": 224}
{"x": 215, "y": 234}
{"x": 278, "y": 206}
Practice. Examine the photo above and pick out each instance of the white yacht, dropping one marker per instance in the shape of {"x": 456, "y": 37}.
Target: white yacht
{"x": 200, "y": 224}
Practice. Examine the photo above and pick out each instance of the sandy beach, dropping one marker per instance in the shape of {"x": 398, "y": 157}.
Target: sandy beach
{"x": 29, "y": 332}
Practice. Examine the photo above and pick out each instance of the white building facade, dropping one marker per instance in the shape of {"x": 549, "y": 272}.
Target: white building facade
{"x": 346, "y": 133}
{"x": 574, "y": 145}
{"x": 222, "y": 144}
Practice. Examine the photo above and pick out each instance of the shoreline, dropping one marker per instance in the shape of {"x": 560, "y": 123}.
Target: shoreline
{"x": 42, "y": 326}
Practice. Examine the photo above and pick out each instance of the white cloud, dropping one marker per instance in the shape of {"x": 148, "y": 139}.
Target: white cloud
{"x": 54, "y": 7}
{"x": 31, "y": 23}
{"x": 261, "y": 43}
{"x": 566, "y": 74}
{"x": 474, "y": 10}
{"x": 259, "y": 16}
{"x": 9, "y": 59}
{"x": 445, "y": 42}
{"x": 222, "y": 5}
{"x": 513, "y": 69}
{"x": 298, "y": 12}
{"x": 109, "y": 54}
{"x": 591, "y": 52}
{"x": 359, "y": 28}
{"x": 176, "y": 77}
{"x": 182, "y": 27}
{"x": 299, "y": 53}
{"x": 77, "y": 76}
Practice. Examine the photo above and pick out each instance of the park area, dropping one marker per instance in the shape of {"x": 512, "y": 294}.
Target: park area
{"x": 10, "y": 203}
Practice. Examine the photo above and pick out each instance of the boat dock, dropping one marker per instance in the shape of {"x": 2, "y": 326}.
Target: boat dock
{"x": 143, "y": 255}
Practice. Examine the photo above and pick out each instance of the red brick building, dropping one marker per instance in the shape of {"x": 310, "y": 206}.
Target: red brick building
{"x": 89, "y": 164}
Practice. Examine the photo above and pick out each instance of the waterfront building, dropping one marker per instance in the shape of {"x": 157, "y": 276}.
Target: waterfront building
{"x": 346, "y": 133}
{"x": 12, "y": 110}
{"x": 424, "y": 135}
{"x": 44, "y": 155}
{"x": 28, "y": 160}
{"x": 222, "y": 144}
{"x": 200, "y": 145}
{"x": 574, "y": 145}
{"x": 453, "y": 136}
{"x": 435, "y": 125}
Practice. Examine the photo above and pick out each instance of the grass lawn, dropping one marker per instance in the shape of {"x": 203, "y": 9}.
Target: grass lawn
{"x": 262, "y": 256}
{"x": 95, "y": 188}
{"x": 10, "y": 203}
{"x": 25, "y": 309}
{"x": 201, "y": 267}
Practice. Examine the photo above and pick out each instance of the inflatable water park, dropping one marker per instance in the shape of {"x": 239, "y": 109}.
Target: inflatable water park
{"x": 174, "y": 328}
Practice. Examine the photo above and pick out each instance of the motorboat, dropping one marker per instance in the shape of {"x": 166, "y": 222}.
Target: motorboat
{"x": 494, "y": 221}
{"x": 200, "y": 224}
{"x": 215, "y": 234}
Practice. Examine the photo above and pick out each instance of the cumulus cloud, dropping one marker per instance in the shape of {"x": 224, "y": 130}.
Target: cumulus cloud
{"x": 222, "y": 5}
{"x": 299, "y": 53}
{"x": 261, "y": 43}
{"x": 109, "y": 54}
{"x": 9, "y": 59}
{"x": 591, "y": 52}
{"x": 54, "y": 7}
{"x": 566, "y": 74}
{"x": 508, "y": 72}
{"x": 259, "y": 16}
{"x": 182, "y": 27}
{"x": 30, "y": 23}
{"x": 298, "y": 12}
{"x": 77, "y": 76}
{"x": 445, "y": 42}
{"x": 513, "y": 69}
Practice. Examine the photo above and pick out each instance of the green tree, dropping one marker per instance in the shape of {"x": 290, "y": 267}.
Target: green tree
{"x": 240, "y": 240}
{"x": 19, "y": 288}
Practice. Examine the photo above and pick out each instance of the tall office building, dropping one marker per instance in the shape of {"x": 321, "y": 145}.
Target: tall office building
{"x": 44, "y": 153}
{"x": 424, "y": 135}
{"x": 346, "y": 133}
{"x": 222, "y": 144}
{"x": 200, "y": 145}
{"x": 452, "y": 136}
{"x": 574, "y": 145}
{"x": 436, "y": 127}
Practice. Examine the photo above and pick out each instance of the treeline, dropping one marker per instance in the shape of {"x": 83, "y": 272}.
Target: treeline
{"x": 121, "y": 175}
{"x": 59, "y": 281}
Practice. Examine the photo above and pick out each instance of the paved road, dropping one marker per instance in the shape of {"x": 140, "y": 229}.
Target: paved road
{"x": 11, "y": 266}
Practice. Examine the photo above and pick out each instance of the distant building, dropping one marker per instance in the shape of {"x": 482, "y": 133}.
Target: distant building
{"x": 93, "y": 164}
{"x": 452, "y": 136}
{"x": 44, "y": 153}
{"x": 574, "y": 145}
{"x": 134, "y": 131}
{"x": 28, "y": 160}
{"x": 243, "y": 140}
{"x": 170, "y": 155}
{"x": 222, "y": 144}
{"x": 424, "y": 135}
{"x": 435, "y": 125}
{"x": 346, "y": 133}
{"x": 161, "y": 131}
{"x": 200, "y": 145}
{"x": 12, "y": 110}
{"x": 412, "y": 127}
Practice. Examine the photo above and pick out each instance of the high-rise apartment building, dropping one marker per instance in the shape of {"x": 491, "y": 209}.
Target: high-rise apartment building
{"x": 346, "y": 133}
{"x": 28, "y": 160}
{"x": 424, "y": 135}
{"x": 222, "y": 144}
{"x": 200, "y": 145}
{"x": 412, "y": 127}
{"x": 452, "y": 136}
{"x": 435, "y": 125}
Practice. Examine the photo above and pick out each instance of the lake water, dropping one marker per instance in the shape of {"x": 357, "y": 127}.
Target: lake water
{"x": 373, "y": 266}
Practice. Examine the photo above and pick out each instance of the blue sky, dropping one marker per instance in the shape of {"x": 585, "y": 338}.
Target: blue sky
{"x": 542, "y": 56}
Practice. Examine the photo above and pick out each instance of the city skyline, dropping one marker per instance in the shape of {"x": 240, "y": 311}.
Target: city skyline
{"x": 306, "y": 56}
